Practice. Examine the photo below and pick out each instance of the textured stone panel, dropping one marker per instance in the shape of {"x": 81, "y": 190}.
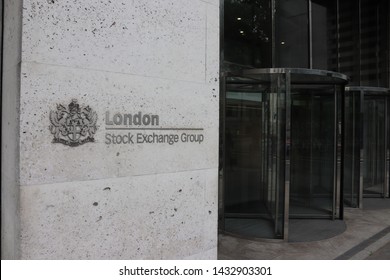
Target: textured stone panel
{"x": 100, "y": 201}
{"x": 212, "y": 2}
{"x": 212, "y": 49}
{"x": 161, "y": 38}
{"x": 11, "y": 42}
{"x": 140, "y": 217}
{"x": 178, "y": 104}
{"x": 211, "y": 254}
{"x": 211, "y": 209}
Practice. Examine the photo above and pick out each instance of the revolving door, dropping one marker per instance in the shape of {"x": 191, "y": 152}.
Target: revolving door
{"x": 281, "y": 149}
{"x": 367, "y": 146}
{"x": 375, "y": 145}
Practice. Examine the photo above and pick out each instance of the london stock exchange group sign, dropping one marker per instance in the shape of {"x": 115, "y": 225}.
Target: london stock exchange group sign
{"x": 74, "y": 125}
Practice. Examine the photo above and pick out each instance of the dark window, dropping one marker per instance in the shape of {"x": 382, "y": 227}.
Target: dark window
{"x": 324, "y": 34}
{"x": 248, "y": 33}
{"x": 291, "y": 37}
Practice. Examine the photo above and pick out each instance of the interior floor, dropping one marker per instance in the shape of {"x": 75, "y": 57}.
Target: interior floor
{"x": 300, "y": 230}
{"x": 376, "y": 203}
{"x": 310, "y": 207}
{"x": 250, "y": 227}
{"x": 376, "y": 190}
{"x": 304, "y": 230}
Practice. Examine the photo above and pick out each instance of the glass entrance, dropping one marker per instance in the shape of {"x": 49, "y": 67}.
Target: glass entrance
{"x": 367, "y": 144}
{"x": 280, "y": 158}
{"x": 353, "y": 146}
{"x": 313, "y": 152}
{"x": 254, "y": 155}
{"x": 375, "y": 167}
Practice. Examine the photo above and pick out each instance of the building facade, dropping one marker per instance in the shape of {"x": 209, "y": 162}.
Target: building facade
{"x": 139, "y": 129}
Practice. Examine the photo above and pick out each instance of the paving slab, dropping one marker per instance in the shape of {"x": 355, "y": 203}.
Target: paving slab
{"x": 381, "y": 254}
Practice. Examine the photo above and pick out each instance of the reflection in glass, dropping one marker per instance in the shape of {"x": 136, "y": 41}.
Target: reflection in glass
{"x": 312, "y": 157}
{"x": 291, "y": 36}
{"x": 349, "y": 36}
{"x": 324, "y": 34}
{"x": 353, "y": 145}
{"x": 374, "y": 36}
{"x": 374, "y": 173}
{"x": 263, "y": 164}
{"x": 348, "y": 48}
{"x": 243, "y": 134}
{"x": 248, "y": 33}
{"x": 254, "y": 205}
{"x": 364, "y": 41}
{"x": 366, "y": 145}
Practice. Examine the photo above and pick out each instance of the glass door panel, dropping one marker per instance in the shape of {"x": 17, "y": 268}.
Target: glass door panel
{"x": 374, "y": 171}
{"x": 313, "y": 150}
{"x": 248, "y": 202}
{"x": 253, "y": 202}
{"x": 353, "y": 144}
{"x": 388, "y": 147}
{"x": 243, "y": 192}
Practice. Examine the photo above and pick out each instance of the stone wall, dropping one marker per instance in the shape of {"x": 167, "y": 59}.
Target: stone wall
{"x": 101, "y": 200}
{"x": 10, "y": 94}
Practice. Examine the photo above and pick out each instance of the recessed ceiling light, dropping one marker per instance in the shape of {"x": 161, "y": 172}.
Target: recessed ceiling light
{"x": 238, "y": 18}
{"x": 241, "y": 31}
{"x": 282, "y": 43}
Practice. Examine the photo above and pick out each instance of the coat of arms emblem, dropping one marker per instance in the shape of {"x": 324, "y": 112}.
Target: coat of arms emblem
{"x": 73, "y": 125}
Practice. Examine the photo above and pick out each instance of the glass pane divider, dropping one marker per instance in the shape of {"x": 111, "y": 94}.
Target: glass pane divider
{"x": 287, "y": 154}
{"x": 361, "y": 148}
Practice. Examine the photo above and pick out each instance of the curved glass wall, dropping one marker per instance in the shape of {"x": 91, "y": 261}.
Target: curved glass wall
{"x": 367, "y": 147}
{"x": 281, "y": 149}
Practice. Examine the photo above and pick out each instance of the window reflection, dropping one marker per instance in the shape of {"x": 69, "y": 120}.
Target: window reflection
{"x": 347, "y": 36}
{"x": 324, "y": 34}
{"x": 248, "y": 33}
{"x": 291, "y": 37}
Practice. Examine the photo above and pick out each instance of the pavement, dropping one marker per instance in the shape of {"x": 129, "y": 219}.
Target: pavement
{"x": 366, "y": 236}
{"x": 382, "y": 254}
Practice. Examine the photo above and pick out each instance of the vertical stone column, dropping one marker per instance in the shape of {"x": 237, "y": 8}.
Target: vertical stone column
{"x": 116, "y": 198}
{"x": 10, "y": 94}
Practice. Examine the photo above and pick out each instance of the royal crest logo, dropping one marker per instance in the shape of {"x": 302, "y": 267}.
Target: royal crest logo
{"x": 73, "y": 125}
